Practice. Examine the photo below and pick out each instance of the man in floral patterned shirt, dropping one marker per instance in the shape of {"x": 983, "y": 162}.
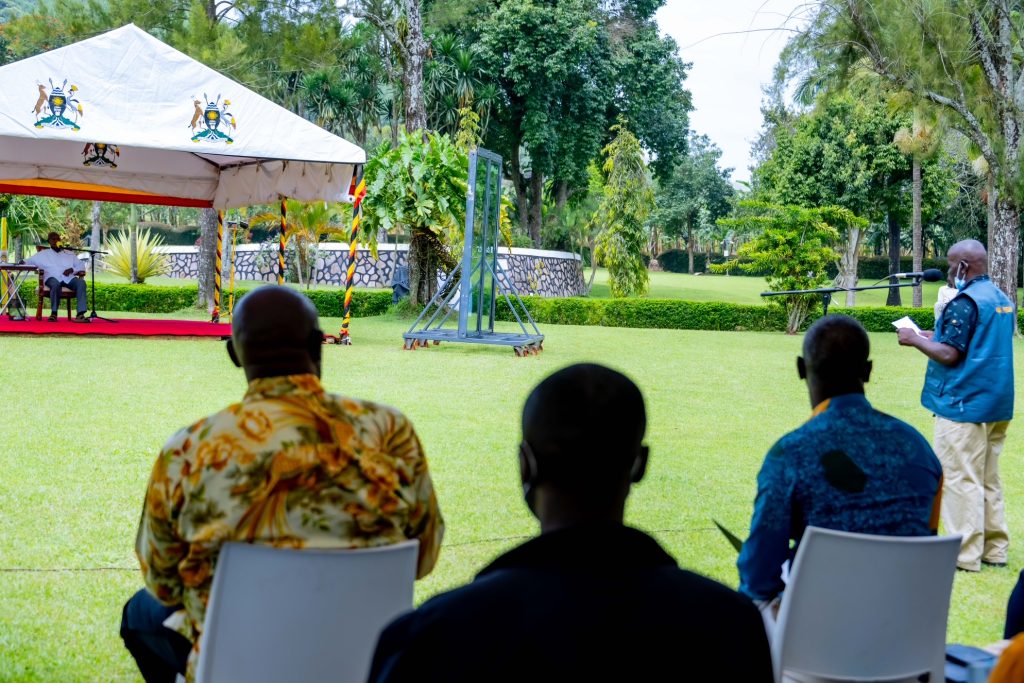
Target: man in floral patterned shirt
{"x": 289, "y": 466}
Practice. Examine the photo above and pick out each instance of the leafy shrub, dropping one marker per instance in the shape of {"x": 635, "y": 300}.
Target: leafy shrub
{"x": 167, "y": 299}
{"x": 149, "y": 261}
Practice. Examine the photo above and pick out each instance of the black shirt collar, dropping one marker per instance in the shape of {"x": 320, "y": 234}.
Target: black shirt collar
{"x": 597, "y": 546}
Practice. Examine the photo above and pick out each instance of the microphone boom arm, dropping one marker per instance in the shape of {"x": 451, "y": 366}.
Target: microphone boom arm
{"x": 827, "y": 292}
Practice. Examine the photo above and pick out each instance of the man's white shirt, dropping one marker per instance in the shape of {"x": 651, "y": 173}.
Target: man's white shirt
{"x": 54, "y": 264}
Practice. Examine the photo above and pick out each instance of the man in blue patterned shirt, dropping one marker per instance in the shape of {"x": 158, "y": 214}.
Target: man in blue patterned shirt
{"x": 850, "y": 467}
{"x": 969, "y": 388}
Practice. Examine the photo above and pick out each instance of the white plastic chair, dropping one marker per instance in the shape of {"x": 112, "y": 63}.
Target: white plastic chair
{"x": 308, "y": 615}
{"x": 865, "y": 608}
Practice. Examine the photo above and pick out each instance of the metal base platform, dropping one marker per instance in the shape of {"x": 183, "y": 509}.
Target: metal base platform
{"x": 522, "y": 344}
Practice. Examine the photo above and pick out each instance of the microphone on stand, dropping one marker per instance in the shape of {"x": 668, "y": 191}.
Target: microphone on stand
{"x": 930, "y": 275}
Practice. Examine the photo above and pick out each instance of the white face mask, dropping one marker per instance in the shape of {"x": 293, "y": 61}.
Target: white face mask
{"x": 958, "y": 281}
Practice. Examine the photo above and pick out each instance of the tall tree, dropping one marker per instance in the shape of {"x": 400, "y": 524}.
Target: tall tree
{"x": 695, "y": 194}
{"x": 961, "y": 56}
{"x": 627, "y": 202}
{"x": 841, "y": 153}
{"x": 565, "y": 70}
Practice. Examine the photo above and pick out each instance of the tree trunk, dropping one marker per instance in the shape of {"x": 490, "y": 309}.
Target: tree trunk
{"x": 536, "y": 208}
{"x": 592, "y": 244}
{"x": 918, "y": 245}
{"x": 133, "y": 245}
{"x": 894, "y": 298}
{"x": 561, "y": 195}
{"x": 848, "y": 264}
{"x": 207, "y": 257}
{"x": 1004, "y": 247}
{"x": 415, "y": 49}
{"x": 519, "y": 185}
{"x": 97, "y": 237}
{"x": 689, "y": 250}
{"x": 422, "y": 269}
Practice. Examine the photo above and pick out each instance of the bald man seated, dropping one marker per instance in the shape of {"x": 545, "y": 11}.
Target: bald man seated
{"x": 590, "y": 599}
{"x": 289, "y": 465}
{"x": 849, "y": 467}
{"x": 968, "y": 386}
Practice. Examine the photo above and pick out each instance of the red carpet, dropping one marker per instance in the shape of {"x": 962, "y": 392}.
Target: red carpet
{"x": 135, "y": 327}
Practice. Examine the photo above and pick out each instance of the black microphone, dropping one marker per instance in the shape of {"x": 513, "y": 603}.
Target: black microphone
{"x": 930, "y": 275}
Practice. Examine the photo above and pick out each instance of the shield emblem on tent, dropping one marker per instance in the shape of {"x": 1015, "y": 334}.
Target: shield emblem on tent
{"x": 216, "y": 119}
{"x": 58, "y": 103}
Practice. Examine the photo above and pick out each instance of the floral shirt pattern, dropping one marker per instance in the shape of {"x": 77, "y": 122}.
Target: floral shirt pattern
{"x": 289, "y": 466}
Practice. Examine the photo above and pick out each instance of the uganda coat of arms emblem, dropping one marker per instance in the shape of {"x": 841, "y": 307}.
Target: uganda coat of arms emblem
{"x": 57, "y": 108}
{"x": 213, "y": 120}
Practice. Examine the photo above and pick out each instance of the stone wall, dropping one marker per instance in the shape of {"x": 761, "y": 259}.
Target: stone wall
{"x": 532, "y": 271}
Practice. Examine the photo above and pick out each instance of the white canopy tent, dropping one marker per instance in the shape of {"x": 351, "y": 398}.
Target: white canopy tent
{"x": 124, "y": 117}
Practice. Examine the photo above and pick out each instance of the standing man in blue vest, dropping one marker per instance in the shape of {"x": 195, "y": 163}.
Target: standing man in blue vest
{"x": 969, "y": 388}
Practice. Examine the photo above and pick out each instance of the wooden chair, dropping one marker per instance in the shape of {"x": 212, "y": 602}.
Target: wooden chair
{"x": 43, "y": 293}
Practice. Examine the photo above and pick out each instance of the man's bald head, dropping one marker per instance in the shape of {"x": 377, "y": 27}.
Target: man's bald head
{"x": 835, "y": 357}
{"x": 584, "y": 425}
{"x": 973, "y": 256}
{"x": 275, "y": 331}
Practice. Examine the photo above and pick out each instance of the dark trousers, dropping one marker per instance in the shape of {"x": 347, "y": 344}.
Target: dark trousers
{"x": 77, "y": 285}
{"x": 160, "y": 652}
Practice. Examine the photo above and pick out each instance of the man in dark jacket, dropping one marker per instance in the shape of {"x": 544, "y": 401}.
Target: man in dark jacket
{"x": 590, "y": 598}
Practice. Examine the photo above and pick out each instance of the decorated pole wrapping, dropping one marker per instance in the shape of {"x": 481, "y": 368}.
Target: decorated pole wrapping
{"x": 218, "y": 267}
{"x": 3, "y": 255}
{"x": 283, "y": 236}
{"x": 358, "y": 191}
{"x": 234, "y": 258}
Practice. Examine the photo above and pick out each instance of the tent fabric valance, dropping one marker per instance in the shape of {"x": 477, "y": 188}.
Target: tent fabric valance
{"x": 124, "y": 117}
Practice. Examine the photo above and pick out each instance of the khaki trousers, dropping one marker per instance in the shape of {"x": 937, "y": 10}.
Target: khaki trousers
{"x": 972, "y": 493}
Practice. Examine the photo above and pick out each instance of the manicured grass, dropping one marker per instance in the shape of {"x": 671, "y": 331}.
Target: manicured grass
{"x": 740, "y": 289}
{"x": 70, "y": 492}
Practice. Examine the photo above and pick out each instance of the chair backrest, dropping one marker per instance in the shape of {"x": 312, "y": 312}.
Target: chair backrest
{"x": 864, "y": 607}
{"x": 306, "y": 615}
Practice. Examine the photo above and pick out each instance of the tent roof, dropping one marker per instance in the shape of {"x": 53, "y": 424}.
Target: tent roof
{"x": 125, "y": 117}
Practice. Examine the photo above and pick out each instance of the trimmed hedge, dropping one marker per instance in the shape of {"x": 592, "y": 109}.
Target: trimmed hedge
{"x": 167, "y": 299}
{"x": 695, "y": 315}
{"x": 868, "y": 267}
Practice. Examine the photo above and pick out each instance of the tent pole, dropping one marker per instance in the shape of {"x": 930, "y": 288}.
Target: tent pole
{"x": 358, "y": 192}
{"x": 283, "y": 237}
{"x": 3, "y": 255}
{"x": 218, "y": 267}
{"x": 234, "y": 259}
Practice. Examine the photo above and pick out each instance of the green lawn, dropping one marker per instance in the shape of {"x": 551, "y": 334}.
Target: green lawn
{"x": 70, "y": 492}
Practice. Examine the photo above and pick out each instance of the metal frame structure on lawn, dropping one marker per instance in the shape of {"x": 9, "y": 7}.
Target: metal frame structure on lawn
{"x": 479, "y": 278}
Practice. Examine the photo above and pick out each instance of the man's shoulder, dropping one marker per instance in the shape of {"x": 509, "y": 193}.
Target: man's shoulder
{"x": 185, "y": 439}
{"x": 361, "y": 407}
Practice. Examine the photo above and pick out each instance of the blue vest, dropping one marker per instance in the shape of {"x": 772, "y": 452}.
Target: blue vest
{"x": 980, "y": 387}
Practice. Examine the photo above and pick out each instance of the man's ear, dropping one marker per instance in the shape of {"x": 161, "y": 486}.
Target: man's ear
{"x": 232, "y": 355}
{"x": 868, "y": 367}
{"x": 527, "y": 464}
{"x": 801, "y": 367}
{"x": 639, "y": 469}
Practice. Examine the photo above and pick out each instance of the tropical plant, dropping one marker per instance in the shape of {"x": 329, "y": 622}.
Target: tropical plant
{"x": 421, "y": 185}
{"x": 29, "y": 219}
{"x": 628, "y": 198}
{"x": 307, "y": 225}
{"x": 150, "y": 261}
{"x": 795, "y": 245}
